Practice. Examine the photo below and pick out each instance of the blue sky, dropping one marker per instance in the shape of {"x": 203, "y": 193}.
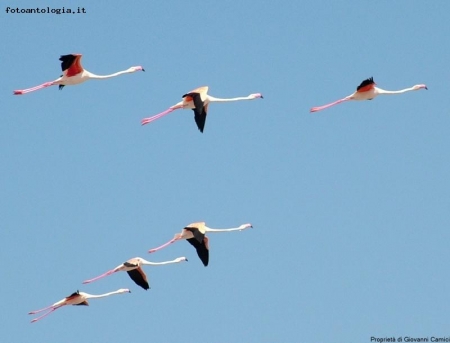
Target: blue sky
{"x": 349, "y": 205}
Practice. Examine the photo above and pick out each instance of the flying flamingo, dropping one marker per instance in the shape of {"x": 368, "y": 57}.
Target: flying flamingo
{"x": 198, "y": 100}
{"x": 367, "y": 91}
{"x": 74, "y": 74}
{"x": 195, "y": 234}
{"x": 134, "y": 270}
{"x": 77, "y": 298}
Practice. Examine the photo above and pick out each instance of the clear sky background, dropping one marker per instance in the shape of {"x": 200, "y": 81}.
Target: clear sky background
{"x": 350, "y": 206}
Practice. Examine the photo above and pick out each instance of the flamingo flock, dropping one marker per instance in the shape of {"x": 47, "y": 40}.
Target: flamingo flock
{"x": 198, "y": 100}
{"x": 133, "y": 267}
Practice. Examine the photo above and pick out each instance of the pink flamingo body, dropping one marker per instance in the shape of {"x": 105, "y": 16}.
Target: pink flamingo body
{"x": 367, "y": 91}
{"x": 134, "y": 270}
{"x": 195, "y": 234}
{"x": 76, "y": 298}
{"x": 74, "y": 74}
{"x": 198, "y": 101}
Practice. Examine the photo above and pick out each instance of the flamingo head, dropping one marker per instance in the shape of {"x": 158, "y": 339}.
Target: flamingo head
{"x": 134, "y": 69}
{"x": 256, "y": 96}
{"x": 181, "y": 259}
{"x": 417, "y": 87}
{"x": 123, "y": 290}
{"x": 245, "y": 226}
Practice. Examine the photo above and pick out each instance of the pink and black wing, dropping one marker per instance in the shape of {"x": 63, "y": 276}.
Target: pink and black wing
{"x": 73, "y": 295}
{"x": 199, "y": 109}
{"x": 366, "y": 85}
{"x": 139, "y": 277}
{"x": 67, "y": 61}
{"x": 201, "y": 248}
{"x": 85, "y": 303}
{"x": 198, "y": 235}
{"x": 71, "y": 64}
{"x": 130, "y": 265}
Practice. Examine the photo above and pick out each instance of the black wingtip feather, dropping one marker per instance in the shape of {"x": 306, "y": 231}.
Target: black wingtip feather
{"x": 365, "y": 83}
{"x": 137, "y": 278}
{"x": 202, "y": 251}
{"x": 67, "y": 61}
{"x": 199, "y": 110}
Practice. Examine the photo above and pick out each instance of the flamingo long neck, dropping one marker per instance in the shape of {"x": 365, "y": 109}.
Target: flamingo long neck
{"x": 213, "y": 99}
{"x": 99, "y": 77}
{"x": 382, "y": 91}
{"x": 94, "y": 296}
{"x": 208, "y": 229}
{"x": 157, "y": 263}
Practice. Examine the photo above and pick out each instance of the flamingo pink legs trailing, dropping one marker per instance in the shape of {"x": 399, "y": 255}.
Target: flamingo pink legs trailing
{"x": 100, "y": 276}
{"x": 163, "y": 246}
{"x": 32, "y": 89}
{"x": 316, "y": 109}
{"x": 159, "y": 115}
{"x": 52, "y": 308}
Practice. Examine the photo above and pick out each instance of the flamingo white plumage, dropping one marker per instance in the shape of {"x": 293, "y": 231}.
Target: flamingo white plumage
{"x": 195, "y": 234}
{"x": 198, "y": 101}
{"x": 367, "y": 91}
{"x": 76, "y": 298}
{"x": 74, "y": 74}
{"x": 134, "y": 270}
